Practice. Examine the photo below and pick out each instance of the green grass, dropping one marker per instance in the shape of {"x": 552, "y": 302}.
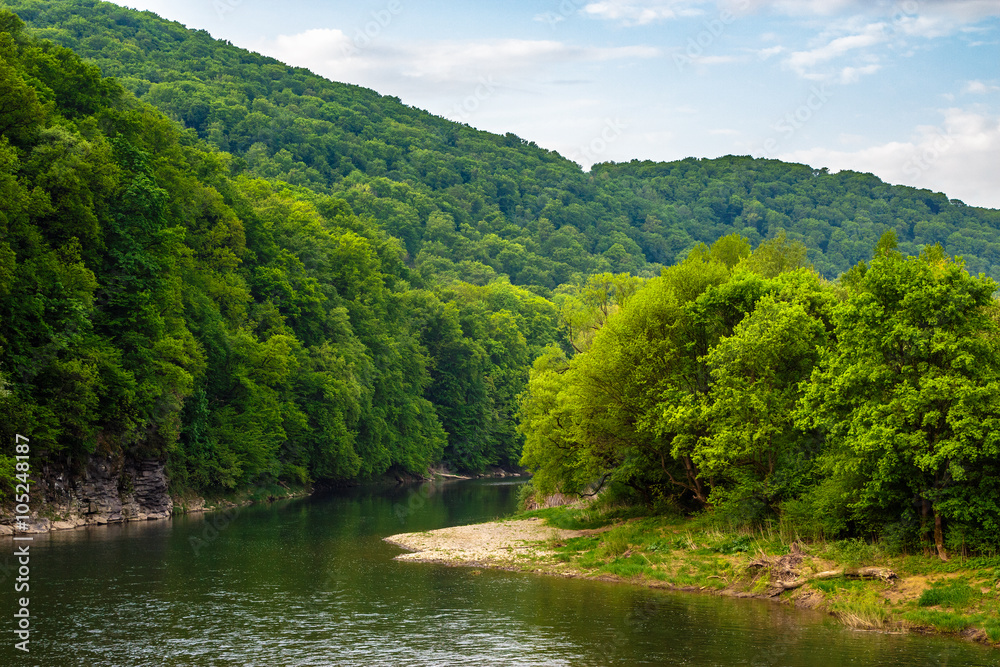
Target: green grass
{"x": 955, "y": 594}
{"x": 584, "y": 518}
{"x": 945, "y": 621}
{"x": 992, "y": 628}
{"x": 628, "y": 567}
{"x": 575, "y": 544}
{"x": 861, "y": 607}
{"x": 853, "y": 552}
{"x": 703, "y": 554}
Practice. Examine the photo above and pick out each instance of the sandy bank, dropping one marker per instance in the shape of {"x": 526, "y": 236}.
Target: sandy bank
{"x": 498, "y": 543}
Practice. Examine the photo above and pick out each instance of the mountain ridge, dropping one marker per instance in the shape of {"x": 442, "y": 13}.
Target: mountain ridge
{"x": 287, "y": 124}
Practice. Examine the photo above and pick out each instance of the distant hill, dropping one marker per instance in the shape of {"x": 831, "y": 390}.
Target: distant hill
{"x": 473, "y": 205}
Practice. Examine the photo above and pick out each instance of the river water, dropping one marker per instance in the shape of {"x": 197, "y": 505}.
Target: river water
{"x": 310, "y": 582}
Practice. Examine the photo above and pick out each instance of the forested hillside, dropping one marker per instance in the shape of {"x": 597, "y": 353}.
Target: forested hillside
{"x": 473, "y": 205}
{"x": 155, "y": 303}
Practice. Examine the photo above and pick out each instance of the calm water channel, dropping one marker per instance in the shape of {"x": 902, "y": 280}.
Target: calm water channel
{"x": 310, "y": 582}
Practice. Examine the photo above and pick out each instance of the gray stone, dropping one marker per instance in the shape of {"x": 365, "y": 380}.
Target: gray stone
{"x": 103, "y": 490}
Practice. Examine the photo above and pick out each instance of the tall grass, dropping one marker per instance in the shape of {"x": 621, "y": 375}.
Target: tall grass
{"x": 861, "y": 608}
{"x": 956, "y": 594}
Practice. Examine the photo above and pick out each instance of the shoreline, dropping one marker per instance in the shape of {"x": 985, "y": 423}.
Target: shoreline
{"x": 56, "y": 517}
{"x": 180, "y": 505}
{"x": 867, "y": 598}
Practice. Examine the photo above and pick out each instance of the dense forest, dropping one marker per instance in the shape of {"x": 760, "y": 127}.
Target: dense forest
{"x": 152, "y": 302}
{"x": 257, "y": 274}
{"x": 505, "y": 206}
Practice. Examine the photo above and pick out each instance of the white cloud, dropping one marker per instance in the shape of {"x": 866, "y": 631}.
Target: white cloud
{"x": 641, "y": 12}
{"x": 854, "y": 74}
{"x": 801, "y": 7}
{"x": 964, "y": 11}
{"x": 957, "y": 157}
{"x": 549, "y": 17}
{"x": 979, "y": 88}
{"x": 332, "y": 53}
{"x": 955, "y": 11}
{"x": 925, "y": 16}
{"x": 804, "y": 63}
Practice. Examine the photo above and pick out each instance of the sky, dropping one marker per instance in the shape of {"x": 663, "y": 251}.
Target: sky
{"x": 906, "y": 89}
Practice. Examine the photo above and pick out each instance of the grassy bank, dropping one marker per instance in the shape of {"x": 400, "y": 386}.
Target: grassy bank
{"x": 865, "y": 587}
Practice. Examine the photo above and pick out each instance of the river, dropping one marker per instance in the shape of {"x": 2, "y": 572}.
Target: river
{"x": 310, "y": 582}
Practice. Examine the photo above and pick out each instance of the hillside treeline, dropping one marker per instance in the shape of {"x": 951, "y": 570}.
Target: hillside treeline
{"x": 473, "y": 206}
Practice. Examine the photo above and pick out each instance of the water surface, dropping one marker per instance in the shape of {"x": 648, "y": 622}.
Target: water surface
{"x": 310, "y": 582}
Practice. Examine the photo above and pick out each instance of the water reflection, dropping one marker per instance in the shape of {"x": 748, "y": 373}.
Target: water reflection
{"x": 310, "y": 582}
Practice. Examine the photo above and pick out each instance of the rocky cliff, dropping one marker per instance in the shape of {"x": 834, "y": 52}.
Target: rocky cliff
{"x": 103, "y": 491}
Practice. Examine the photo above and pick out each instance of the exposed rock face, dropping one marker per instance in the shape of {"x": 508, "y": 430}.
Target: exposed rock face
{"x": 103, "y": 491}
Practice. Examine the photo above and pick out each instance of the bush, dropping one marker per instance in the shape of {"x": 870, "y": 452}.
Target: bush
{"x": 735, "y": 545}
{"x": 525, "y": 496}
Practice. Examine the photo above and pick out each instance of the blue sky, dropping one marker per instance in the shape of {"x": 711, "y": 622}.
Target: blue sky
{"x": 908, "y": 89}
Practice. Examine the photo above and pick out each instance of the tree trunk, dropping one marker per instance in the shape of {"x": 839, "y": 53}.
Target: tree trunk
{"x": 939, "y": 536}
{"x": 697, "y": 487}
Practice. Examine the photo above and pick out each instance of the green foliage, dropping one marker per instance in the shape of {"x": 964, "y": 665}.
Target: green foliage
{"x": 735, "y": 545}
{"x": 155, "y": 302}
{"x": 908, "y": 399}
{"x": 853, "y": 552}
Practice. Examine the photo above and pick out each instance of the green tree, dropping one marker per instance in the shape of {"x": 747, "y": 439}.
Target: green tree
{"x": 910, "y": 396}
{"x": 754, "y": 455}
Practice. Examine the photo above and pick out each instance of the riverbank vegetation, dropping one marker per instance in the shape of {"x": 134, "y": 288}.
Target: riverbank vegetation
{"x": 866, "y": 585}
